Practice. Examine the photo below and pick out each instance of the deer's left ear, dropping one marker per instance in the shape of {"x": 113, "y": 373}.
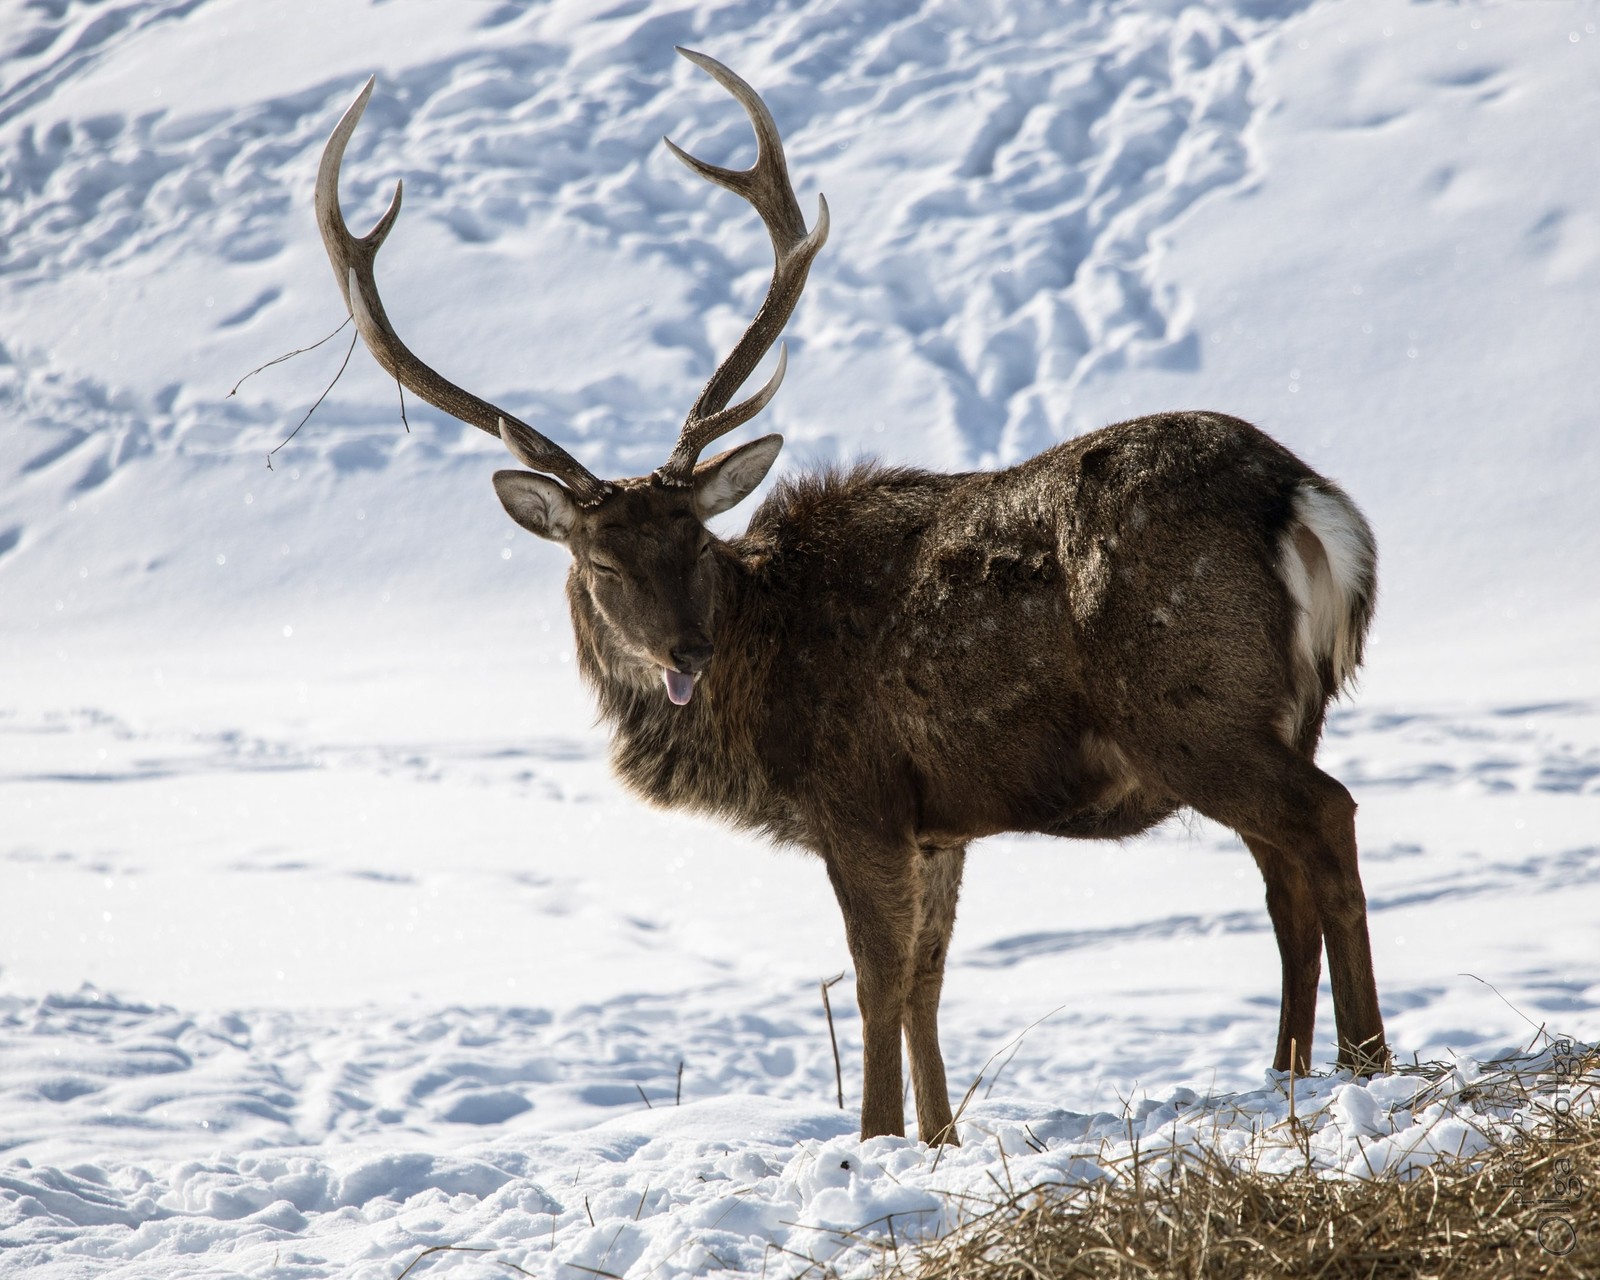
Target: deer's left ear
{"x": 727, "y": 479}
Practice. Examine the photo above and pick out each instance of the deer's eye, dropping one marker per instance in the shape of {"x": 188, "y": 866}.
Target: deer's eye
{"x": 605, "y": 568}
{"x": 705, "y": 549}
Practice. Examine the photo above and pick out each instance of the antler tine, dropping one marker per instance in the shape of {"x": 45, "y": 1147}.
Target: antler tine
{"x": 353, "y": 257}
{"x": 766, "y": 186}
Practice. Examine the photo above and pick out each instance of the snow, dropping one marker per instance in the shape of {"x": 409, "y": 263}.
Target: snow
{"x": 326, "y": 936}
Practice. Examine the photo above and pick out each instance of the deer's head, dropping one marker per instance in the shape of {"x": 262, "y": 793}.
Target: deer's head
{"x": 644, "y": 562}
{"x": 643, "y": 559}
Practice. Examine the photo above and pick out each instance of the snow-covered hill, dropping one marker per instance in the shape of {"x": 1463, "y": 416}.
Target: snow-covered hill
{"x": 294, "y": 769}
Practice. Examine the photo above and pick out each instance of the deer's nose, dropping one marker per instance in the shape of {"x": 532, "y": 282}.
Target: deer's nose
{"x": 692, "y": 656}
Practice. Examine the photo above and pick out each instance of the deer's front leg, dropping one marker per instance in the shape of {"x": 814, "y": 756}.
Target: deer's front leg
{"x": 878, "y": 892}
{"x": 940, "y": 883}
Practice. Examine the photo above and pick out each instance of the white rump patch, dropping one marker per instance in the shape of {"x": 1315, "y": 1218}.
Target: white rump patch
{"x": 1328, "y": 562}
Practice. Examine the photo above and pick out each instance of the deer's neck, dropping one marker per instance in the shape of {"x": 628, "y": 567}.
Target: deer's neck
{"x": 700, "y": 756}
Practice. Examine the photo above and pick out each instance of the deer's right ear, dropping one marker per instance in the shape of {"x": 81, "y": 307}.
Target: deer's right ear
{"x": 537, "y": 503}
{"x": 726, "y": 480}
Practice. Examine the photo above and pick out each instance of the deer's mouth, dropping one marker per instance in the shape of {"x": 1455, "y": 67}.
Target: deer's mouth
{"x": 680, "y": 685}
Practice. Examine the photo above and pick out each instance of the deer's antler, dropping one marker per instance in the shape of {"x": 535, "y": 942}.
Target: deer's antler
{"x": 352, "y": 258}
{"x": 766, "y": 186}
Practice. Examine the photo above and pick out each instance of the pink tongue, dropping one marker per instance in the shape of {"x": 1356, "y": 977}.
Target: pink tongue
{"x": 680, "y": 687}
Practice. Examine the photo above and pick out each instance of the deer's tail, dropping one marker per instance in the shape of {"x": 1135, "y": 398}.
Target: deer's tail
{"x": 1328, "y": 562}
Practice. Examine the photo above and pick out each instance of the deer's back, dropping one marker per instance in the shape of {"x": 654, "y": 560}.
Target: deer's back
{"x": 963, "y": 654}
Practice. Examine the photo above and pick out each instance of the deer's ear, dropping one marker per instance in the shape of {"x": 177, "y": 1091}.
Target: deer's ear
{"x": 537, "y": 503}
{"x": 726, "y": 480}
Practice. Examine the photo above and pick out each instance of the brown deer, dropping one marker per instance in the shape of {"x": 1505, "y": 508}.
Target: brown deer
{"x": 890, "y": 663}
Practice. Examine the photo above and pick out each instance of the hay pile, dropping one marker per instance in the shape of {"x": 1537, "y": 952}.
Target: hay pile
{"x": 1527, "y": 1206}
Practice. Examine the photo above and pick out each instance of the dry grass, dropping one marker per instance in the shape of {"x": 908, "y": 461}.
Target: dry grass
{"x": 1528, "y": 1206}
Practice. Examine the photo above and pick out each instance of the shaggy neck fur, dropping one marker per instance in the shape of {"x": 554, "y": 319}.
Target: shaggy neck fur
{"x": 700, "y": 756}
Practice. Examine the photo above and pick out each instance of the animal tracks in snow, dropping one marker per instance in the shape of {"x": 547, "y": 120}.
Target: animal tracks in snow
{"x": 1552, "y": 748}
{"x": 88, "y": 746}
{"x": 183, "y": 1082}
{"x": 1013, "y": 255}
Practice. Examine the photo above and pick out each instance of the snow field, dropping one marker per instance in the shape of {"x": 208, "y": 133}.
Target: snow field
{"x": 667, "y": 1190}
{"x": 325, "y": 935}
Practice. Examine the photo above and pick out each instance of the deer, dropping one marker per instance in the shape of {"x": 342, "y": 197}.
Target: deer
{"x": 891, "y": 663}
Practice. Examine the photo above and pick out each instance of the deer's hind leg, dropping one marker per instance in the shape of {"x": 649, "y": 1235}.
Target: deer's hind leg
{"x": 941, "y": 868}
{"x": 1298, "y": 927}
{"x": 1312, "y": 818}
{"x": 1275, "y": 798}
